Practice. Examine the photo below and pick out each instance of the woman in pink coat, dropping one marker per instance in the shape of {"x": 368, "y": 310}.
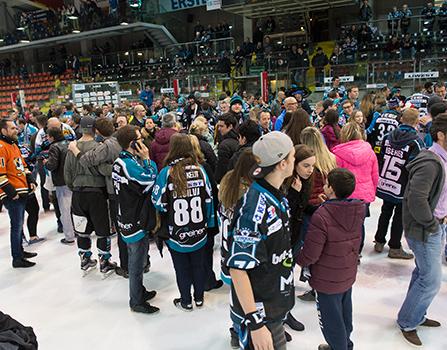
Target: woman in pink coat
{"x": 357, "y": 155}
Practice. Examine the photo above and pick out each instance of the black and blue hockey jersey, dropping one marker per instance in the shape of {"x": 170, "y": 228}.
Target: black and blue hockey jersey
{"x": 259, "y": 243}
{"x": 188, "y": 217}
{"x": 133, "y": 181}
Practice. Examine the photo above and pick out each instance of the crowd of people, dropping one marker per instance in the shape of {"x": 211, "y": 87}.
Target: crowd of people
{"x": 41, "y": 24}
{"x": 281, "y": 184}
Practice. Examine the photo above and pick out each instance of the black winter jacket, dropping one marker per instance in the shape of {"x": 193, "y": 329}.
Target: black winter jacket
{"x": 227, "y": 147}
{"x": 56, "y": 161}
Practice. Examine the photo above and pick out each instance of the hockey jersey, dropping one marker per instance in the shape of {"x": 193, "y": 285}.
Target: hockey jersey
{"x": 133, "y": 181}
{"x": 399, "y": 147}
{"x": 383, "y": 125}
{"x": 14, "y": 176}
{"x": 188, "y": 217}
{"x": 420, "y": 102}
{"x": 259, "y": 243}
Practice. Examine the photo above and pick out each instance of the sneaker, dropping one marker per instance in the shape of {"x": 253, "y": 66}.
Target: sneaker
{"x": 378, "y": 247}
{"x": 36, "y": 240}
{"x": 430, "y": 323}
{"x": 29, "y": 255}
{"x": 324, "y": 347}
{"x": 185, "y": 307}
{"x": 234, "y": 339}
{"x": 288, "y": 336}
{"x": 400, "y": 254}
{"x": 105, "y": 266}
{"x": 149, "y": 295}
{"x": 66, "y": 241}
{"x": 121, "y": 272}
{"x": 412, "y": 337}
{"x": 199, "y": 303}
{"x": 308, "y": 296}
{"x": 145, "y": 309}
{"x": 218, "y": 285}
{"x": 293, "y": 323}
{"x": 22, "y": 263}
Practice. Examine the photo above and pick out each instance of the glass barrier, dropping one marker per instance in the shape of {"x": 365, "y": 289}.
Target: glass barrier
{"x": 392, "y": 72}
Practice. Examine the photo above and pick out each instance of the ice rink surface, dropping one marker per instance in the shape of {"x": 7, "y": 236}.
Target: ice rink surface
{"x": 71, "y": 312}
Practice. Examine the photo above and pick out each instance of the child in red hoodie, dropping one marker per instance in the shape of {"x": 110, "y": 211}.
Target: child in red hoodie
{"x": 329, "y": 257}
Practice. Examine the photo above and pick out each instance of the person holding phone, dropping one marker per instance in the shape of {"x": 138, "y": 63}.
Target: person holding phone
{"x": 133, "y": 177}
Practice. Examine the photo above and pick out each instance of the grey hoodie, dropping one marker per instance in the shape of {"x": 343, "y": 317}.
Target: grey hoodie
{"x": 102, "y": 156}
{"x": 425, "y": 184}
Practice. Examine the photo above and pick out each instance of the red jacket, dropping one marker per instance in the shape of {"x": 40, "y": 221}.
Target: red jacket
{"x": 332, "y": 245}
{"x": 160, "y": 146}
{"x": 317, "y": 188}
{"x": 329, "y": 136}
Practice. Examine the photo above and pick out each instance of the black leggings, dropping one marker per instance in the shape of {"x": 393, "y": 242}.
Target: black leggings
{"x": 32, "y": 208}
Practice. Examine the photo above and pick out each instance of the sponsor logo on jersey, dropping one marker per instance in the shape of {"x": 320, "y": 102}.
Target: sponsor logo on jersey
{"x": 285, "y": 255}
{"x": 260, "y": 210}
{"x": 277, "y": 225}
{"x": 271, "y": 214}
{"x": 184, "y": 236}
{"x": 285, "y": 283}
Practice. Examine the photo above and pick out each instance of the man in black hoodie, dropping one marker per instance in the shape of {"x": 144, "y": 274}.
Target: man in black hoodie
{"x": 399, "y": 147}
{"x": 228, "y": 145}
{"x": 249, "y": 133}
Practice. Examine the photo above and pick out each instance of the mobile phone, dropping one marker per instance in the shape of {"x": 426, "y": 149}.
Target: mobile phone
{"x": 133, "y": 145}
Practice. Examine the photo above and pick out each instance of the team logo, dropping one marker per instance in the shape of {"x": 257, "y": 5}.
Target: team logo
{"x": 271, "y": 214}
{"x": 245, "y": 238}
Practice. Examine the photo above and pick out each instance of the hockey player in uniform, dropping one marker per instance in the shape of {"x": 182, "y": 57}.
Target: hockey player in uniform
{"x": 133, "y": 178}
{"x": 399, "y": 147}
{"x": 89, "y": 208}
{"x": 183, "y": 196}
{"x": 15, "y": 185}
{"x": 383, "y": 124}
{"x": 259, "y": 251}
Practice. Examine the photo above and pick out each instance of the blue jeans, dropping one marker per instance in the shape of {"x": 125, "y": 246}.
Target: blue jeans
{"x": 16, "y": 211}
{"x": 137, "y": 260}
{"x": 425, "y": 281}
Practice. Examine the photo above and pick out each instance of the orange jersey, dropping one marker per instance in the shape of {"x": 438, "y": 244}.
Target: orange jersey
{"x": 12, "y": 170}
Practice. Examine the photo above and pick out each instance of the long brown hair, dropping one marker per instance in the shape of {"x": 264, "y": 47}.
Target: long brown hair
{"x": 302, "y": 152}
{"x": 234, "y": 184}
{"x": 181, "y": 154}
{"x": 367, "y": 104}
{"x": 331, "y": 119}
{"x": 300, "y": 120}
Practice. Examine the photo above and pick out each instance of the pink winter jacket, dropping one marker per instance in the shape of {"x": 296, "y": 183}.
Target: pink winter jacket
{"x": 359, "y": 157}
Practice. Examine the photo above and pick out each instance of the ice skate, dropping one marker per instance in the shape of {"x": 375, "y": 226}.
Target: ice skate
{"x": 107, "y": 268}
{"x": 87, "y": 265}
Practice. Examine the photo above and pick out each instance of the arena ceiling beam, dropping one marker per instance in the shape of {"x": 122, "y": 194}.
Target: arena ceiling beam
{"x": 156, "y": 31}
{"x": 282, "y": 7}
{"x": 25, "y": 5}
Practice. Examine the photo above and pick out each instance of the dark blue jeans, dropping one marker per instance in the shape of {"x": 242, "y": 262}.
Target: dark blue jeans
{"x": 335, "y": 313}
{"x": 16, "y": 211}
{"x": 137, "y": 260}
{"x": 189, "y": 271}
